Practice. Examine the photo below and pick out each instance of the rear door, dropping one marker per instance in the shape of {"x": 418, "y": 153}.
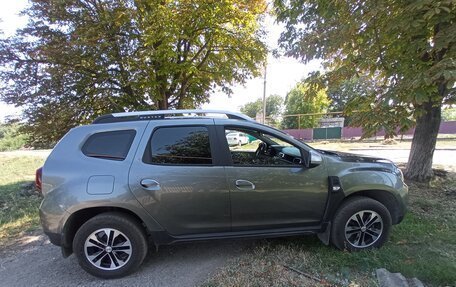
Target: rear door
{"x": 177, "y": 178}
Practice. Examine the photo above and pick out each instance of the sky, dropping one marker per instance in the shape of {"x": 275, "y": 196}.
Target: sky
{"x": 282, "y": 73}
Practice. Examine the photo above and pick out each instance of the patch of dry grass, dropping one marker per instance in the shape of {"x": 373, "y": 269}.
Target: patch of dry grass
{"x": 18, "y": 213}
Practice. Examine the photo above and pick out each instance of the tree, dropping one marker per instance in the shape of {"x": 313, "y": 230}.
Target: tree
{"x": 407, "y": 46}
{"x": 357, "y": 98}
{"x": 76, "y": 60}
{"x": 11, "y": 138}
{"x": 273, "y": 107}
{"x": 252, "y": 108}
{"x": 376, "y": 113}
{"x": 341, "y": 94}
{"x": 303, "y": 99}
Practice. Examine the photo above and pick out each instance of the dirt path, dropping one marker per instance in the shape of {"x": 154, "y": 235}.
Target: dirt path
{"x": 40, "y": 263}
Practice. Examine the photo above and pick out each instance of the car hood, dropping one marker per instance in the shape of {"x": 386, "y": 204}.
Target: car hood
{"x": 350, "y": 157}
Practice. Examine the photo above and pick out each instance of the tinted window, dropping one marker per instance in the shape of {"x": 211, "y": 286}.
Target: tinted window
{"x": 181, "y": 145}
{"x": 109, "y": 145}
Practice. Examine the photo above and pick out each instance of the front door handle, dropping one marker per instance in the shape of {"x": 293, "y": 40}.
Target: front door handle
{"x": 244, "y": 185}
{"x": 150, "y": 184}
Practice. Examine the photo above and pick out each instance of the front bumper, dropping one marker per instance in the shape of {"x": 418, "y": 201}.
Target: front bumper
{"x": 402, "y": 204}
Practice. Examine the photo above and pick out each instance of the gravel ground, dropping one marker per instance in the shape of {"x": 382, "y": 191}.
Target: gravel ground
{"x": 39, "y": 263}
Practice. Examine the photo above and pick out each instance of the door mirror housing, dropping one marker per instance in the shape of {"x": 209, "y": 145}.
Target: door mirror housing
{"x": 315, "y": 158}
{"x": 305, "y": 158}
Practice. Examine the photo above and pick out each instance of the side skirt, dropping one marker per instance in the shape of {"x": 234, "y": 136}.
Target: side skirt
{"x": 164, "y": 238}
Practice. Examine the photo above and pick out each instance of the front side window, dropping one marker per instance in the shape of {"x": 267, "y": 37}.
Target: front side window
{"x": 180, "y": 145}
{"x": 113, "y": 145}
{"x": 255, "y": 148}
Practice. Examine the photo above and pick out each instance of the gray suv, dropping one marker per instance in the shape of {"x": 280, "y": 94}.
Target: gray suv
{"x": 162, "y": 177}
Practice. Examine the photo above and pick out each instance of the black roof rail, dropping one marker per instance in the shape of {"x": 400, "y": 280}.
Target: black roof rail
{"x": 162, "y": 114}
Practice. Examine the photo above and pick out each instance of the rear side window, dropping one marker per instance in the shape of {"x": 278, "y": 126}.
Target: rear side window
{"x": 109, "y": 145}
{"x": 180, "y": 145}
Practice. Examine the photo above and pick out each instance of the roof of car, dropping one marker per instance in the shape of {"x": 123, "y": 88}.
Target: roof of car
{"x": 167, "y": 114}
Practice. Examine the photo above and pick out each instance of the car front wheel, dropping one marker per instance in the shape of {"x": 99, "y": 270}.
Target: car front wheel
{"x": 110, "y": 245}
{"x": 360, "y": 223}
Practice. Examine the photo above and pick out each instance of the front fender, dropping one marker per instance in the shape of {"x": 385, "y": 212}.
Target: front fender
{"x": 361, "y": 179}
{"x": 382, "y": 185}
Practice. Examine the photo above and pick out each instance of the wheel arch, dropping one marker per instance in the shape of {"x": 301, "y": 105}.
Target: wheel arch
{"x": 79, "y": 217}
{"x": 384, "y": 197}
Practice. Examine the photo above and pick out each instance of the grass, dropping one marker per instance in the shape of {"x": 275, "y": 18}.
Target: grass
{"x": 422, "y": 246}
{"x": 18, "y": 214}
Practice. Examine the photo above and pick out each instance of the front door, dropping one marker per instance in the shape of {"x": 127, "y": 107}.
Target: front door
{"x": 176, "y": 179}
{"x": 269, "y": 185}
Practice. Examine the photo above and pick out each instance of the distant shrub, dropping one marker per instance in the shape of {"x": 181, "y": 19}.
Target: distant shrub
{"x": 11, "y": 138}
{"x": 449, "y": 114}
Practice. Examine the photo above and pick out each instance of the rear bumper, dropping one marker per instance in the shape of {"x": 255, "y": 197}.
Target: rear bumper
{"x": 57, "y": 239}
{"x": 54, "y": 238}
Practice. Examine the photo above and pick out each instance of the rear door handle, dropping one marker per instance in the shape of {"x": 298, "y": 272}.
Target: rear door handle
{"x": 150, "y": 184}
{"x": 244, "y": 185}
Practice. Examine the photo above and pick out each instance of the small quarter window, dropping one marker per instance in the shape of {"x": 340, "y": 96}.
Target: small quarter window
{"x": 180, "y": 145}
{"x": 112, "y": 145}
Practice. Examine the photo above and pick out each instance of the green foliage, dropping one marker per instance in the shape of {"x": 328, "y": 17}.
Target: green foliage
{"x": 347, "y": 90}
{"x": 391, "y": 119}
{"x": 407, "y": 47}
{"x": 343, "y": 93}
{"x": 304, "y": 99}
{"x": 76, "y": 60}
{"x": 449, "y": 114}
{"x": 252, "y": 108}
{"x": 11, "y": 137}
{"x": 273, "y": 107}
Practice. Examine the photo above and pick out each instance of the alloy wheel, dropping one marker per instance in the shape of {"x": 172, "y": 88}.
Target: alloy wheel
{"x": 363, "y": 228}
{"x": 108, "y": 249}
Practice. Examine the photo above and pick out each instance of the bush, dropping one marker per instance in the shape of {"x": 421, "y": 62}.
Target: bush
{"x": 11, "y": 138}
{"x": 449, "y": 114}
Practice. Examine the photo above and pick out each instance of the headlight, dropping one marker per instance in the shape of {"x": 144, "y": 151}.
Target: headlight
{"x": 398, "y": 172}
{"x": 382, "y": 160}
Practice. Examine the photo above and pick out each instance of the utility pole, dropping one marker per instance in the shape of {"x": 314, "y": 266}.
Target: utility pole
{"x": 264, "y": 93}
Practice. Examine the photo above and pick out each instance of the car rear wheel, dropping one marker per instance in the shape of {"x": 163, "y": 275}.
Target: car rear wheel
{"x": 361, "y": 223}
{"x": 110, "y": 245}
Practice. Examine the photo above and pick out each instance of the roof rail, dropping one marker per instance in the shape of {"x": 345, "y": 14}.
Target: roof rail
{"x": 163, "y": 114}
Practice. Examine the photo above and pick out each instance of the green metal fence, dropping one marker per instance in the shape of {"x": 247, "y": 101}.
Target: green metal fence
{"x": 327, "y": 133}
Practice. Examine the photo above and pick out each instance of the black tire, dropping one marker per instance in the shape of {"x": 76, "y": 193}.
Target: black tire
{"x": 357, "y": 238}
{"x": 126, "y": 225}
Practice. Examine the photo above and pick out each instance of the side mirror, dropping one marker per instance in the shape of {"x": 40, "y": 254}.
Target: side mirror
{"x": 315, "y": 158}
{"x": 305, "y": 158}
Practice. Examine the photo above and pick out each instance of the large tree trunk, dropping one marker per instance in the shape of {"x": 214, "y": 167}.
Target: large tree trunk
{"x": 419, "y": 167}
